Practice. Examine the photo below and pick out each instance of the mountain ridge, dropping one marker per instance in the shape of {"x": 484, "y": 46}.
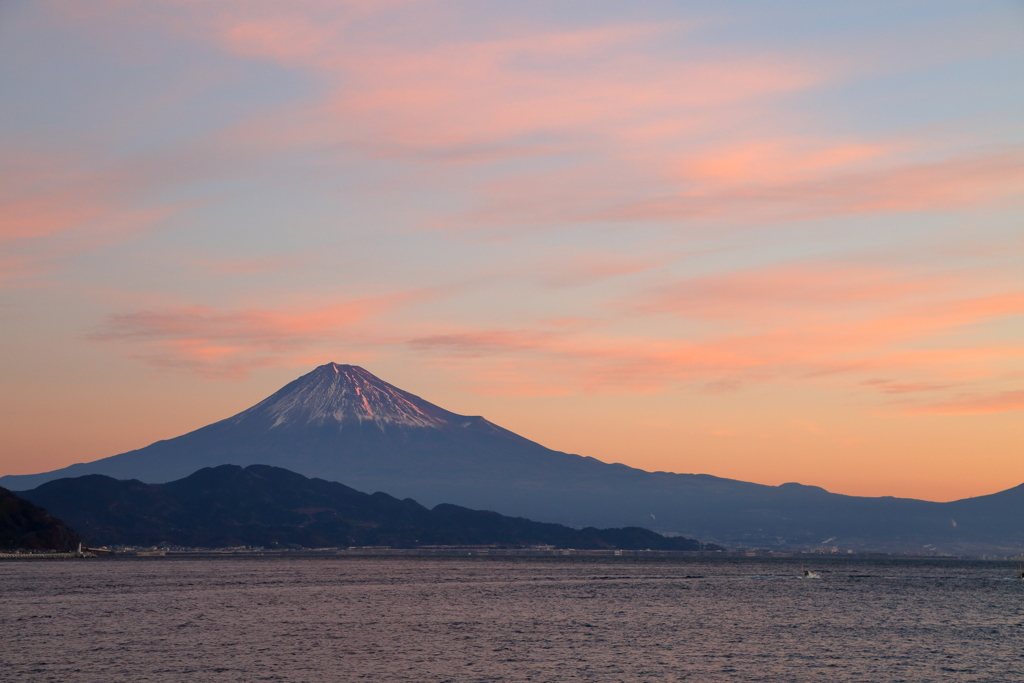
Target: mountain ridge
{"x": 270, "y": 506}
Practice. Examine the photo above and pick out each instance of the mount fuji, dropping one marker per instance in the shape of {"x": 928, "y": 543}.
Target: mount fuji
{"x": 341, "y": 423}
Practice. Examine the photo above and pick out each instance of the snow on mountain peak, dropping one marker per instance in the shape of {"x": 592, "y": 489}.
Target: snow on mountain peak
{"x": 347, "y": 394}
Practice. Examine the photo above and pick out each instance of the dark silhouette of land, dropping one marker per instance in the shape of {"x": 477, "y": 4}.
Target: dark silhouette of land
{"x": 26, "y": 526}
{"x": 273, "y": 507}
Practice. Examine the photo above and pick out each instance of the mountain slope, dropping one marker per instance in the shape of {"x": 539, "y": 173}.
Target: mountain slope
{"x": 24, "y": 525}
{"x": 270, "y": 506}
{"x": 341, "y": 423}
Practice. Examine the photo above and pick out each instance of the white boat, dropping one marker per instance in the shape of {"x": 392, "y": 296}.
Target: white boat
{"x": 808, "y": 574}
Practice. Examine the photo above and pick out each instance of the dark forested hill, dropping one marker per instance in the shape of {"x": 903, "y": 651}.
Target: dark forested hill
{"x": 26, "y": 526}
{"x": 270, "y": 506}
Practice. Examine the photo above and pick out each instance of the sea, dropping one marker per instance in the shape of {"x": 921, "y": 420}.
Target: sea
{"x": 486, "y": 618}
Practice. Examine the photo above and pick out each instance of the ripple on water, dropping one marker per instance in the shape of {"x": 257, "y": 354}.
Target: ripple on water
{"x": 502, "y": 619}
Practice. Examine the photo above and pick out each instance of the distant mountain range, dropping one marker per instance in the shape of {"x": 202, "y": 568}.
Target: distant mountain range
{"x": 272, "y": 507}
{"x": 26, "y": 526}
{"x": 341, "y": 423}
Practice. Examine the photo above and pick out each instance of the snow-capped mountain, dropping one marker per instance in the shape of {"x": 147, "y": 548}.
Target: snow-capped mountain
{"x": 341, "y": 423}
{"x": 343, "y": 394}
{"x": 338, "y": 422}
{"x": 349, "y": 397}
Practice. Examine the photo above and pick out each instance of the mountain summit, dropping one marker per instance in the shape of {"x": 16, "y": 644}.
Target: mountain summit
{"x": 350, "y": 398}
{"x": 341, "y": 423}
{"x": 347, "y": 395}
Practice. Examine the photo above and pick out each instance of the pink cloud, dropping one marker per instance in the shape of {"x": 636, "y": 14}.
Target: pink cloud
{"x": 622, "y": 132}
{"x": 829, "y": 289}
{"x": 553, "y": 363}
{"x": 53, "y": 204}
{"x": 618, "y": 130}
{"x": 17, "y": 268}
{"x": 597, "y": 92}
{"x": 226, "y": 343}
{"x": 577, "y": 355}
{"x": 501, "y": 93}
{"x": 842, "y": 324}
{"x": 257, "y": 265}
{"x": 896, "y": 186}
{"x": 41, "y": 195}
{"x": 769, "y": 161}
{"x": 484, "y": 343}
{"x": 586, "y": 269}
{"x": 618, "y": 188}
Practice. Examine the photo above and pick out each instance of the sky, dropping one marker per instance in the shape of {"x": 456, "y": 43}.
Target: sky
{"x": 769, "y": 241}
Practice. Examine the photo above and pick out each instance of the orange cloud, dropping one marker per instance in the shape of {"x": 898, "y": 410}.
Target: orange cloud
{"x": 767, "y": 162}
{"x": 485, "y": 343}
{"x": 836, "y": 323}
{"x": 525, "y": 361}
{"x": 893, "y": 387}
{"x": 831, "y": 289}
{"x": 1003, "y": 402}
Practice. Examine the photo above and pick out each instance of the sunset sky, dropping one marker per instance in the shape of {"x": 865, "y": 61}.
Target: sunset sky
{"x": 766, "y": 241}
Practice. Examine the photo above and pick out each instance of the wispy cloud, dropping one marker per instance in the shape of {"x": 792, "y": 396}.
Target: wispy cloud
{"x": 840, "y": 324}
{"x": 55, "y": 204}
{"x": 819, "y": 289}
{"x": 255, "y": 265}
{"x": 586, "y": 269}
{"x": 618, "y": 132}
{"x": 542, "y": 128}
{"x": 1002, "y": 402}
{"x": 557, "y": 126}
{"x": 229, "y": 343}
{"x": 650, "y": 192}
{"x": 45, "y": 194}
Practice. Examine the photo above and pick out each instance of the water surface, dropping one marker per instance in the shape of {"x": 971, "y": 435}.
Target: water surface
{"x": 508, "y": 619}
